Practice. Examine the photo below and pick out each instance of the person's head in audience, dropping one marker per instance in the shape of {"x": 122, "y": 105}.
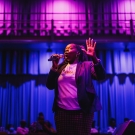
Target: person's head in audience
{"x": 41, "y": 120}
{"x": 23, "y": 123}
{"x": 112, "y": 126}
{"x": 40, "y": 114}
{"x": 126, "y": 119}
{"x": 112, "y": 123}
{"x": 10, "y": 128}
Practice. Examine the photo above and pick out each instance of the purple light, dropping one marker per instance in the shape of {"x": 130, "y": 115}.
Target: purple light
{"x": 1, "y": 15}
{"x": 67, "y": 15}
{"x": 126, "y": 13}
{"x": 61, "y": 10}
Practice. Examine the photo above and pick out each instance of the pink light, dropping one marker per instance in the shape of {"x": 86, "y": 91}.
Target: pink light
{"x": 1, "y": 14}
{"x": 126, "y": 12}
{"x": 61, "y": 7}
{"x": 1, "y": 10}
{"x": 61, "y": 10}
{"x": 60, "y": 22}
{"x": 65, "y": 12}
{"x": 127, "y": 7}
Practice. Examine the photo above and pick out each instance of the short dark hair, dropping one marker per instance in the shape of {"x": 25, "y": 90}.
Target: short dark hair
{"x": 40, "y": 114}
{"x": 23, "y": 122}
{"x": 126, "y": 119}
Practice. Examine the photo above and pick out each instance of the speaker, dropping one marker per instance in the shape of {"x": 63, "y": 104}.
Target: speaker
{"x": 126, "y": 128}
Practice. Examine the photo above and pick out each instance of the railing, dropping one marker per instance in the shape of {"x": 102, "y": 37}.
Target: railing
{"x": 55, "y": 28}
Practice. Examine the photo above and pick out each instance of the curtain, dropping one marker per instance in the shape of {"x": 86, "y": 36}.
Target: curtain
{"x": 23, "y": 97}
{"x": 117, "y": 92}
{"x": 23, "y": 73}
{"x": 23, "y": 93}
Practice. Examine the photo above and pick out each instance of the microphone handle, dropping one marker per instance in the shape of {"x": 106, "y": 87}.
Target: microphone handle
{"x": 52, "y": 58}
{"x": 55, "y": 57}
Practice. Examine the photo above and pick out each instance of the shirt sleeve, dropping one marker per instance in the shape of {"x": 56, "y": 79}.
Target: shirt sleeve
{"x": 97, "y": 71}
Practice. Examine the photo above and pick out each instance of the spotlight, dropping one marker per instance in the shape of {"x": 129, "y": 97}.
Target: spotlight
{"x": 126, "y": 50}
{"x": 49, "y": 50}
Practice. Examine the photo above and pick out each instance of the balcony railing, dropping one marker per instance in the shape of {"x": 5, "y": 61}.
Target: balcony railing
{"x": 52, "y": 29}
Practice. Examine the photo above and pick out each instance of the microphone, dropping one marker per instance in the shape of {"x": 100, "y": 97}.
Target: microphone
{"x": 52, "y": 58}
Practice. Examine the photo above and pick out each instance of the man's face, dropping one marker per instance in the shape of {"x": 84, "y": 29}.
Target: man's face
{"x": 70, "y": 53}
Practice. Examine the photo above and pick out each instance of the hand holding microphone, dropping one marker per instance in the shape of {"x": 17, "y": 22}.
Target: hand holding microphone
{"x": 55, "y": 60}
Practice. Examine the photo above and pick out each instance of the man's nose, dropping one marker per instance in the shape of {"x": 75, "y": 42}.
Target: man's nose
{"x": 66, "y": 49}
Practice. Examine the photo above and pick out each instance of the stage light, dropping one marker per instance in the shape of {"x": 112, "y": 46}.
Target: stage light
{"x": 126, "y": 49}
{"x": 49, "y": 50}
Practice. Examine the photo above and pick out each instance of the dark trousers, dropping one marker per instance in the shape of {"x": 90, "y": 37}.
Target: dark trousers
{"x": 73, "y": 122}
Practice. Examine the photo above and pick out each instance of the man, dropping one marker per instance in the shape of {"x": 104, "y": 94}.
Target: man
{"x": 41, "y": 127}
{"x": 22, "y": 130}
